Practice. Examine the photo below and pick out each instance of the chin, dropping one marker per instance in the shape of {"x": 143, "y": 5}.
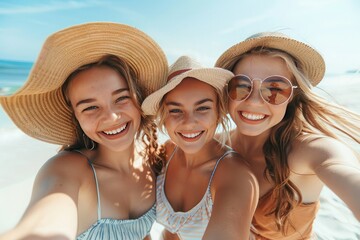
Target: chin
{"x": 251, "y": 132}
{"x": 190, "y": 149}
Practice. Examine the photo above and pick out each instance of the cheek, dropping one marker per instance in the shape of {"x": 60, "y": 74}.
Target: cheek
{"x": 87, "y": 123}
{"x": 232, "y": 106}
{"x": 136, "y": 116}
{"x": 279, "y": 112}
{"x": 209, "y": 120}
{"x": 214, "y": 118}
{"x": 87, "y": 127}
{"x": 169, "y": 122}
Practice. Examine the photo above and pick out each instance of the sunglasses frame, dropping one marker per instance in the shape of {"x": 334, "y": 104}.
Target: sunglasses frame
{"x": 261, "y": 81}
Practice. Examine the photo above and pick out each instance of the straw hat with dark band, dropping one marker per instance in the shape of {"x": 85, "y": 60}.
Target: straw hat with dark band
{"x": 312, "y": 62}
{"x": 39, "y": 108}
{"x": 183, "y": 68}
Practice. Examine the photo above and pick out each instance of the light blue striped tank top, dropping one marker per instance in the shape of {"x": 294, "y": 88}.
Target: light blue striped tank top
{"x": 111, "y": 229}
{"x": 190, "y": 225}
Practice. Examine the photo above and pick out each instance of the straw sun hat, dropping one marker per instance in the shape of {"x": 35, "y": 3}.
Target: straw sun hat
{"x": 312, "y": 62}
{"x": 39, "y": 108}
{"x": 183, "y": 68}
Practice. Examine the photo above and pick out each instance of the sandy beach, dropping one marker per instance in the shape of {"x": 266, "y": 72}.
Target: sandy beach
{"x": 22, "y": 156}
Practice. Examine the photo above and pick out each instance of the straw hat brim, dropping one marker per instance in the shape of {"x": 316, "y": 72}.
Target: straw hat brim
{"x": 216, "y": 77}
{"x": 39, "y": 109}
{"x": 312, "y": 62}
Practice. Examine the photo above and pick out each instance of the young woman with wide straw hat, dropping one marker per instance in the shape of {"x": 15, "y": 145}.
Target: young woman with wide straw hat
{"x": 84, "y": 92}
{"x": 205, "y": 191}
{"x": 288, "y": 133}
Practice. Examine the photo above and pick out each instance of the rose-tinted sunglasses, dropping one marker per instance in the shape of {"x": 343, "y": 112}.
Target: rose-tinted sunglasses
{"x": 274, "y": 89}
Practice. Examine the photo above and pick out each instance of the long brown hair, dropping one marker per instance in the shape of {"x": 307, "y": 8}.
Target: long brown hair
{"x": 307, "y": 112}
{"x": 147, "y": 132}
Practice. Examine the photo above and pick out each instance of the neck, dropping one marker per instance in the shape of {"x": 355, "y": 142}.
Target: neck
{"x": 208, "y": 152}
{"x": 116, "y": 160}
{"x": 249, "y": 147}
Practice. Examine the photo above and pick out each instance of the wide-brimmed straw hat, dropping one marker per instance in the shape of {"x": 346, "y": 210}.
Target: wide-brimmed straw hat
{"x": 39, "y": 107}
{"x": 312, "y": 62}
{"x": 186, "y": 67}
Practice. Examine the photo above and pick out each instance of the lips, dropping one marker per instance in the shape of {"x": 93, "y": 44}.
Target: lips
{"x": 191, "y": 136}
{"x": 117, "y": 131}
{"x": 252, "y": 116}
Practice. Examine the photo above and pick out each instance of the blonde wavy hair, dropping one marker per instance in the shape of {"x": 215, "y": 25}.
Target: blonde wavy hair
{"x": 147, "y": 131}
{"x": 307, "y": 112}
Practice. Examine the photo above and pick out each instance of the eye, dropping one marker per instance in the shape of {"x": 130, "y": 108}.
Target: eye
{"x": 174, "y": 111}
{"x": 203, "y": 108}
{"x": 122, "y": 98}
{"x": 89, "y": 108}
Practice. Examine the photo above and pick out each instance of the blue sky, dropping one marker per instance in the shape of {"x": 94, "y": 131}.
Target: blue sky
{"x": 202, "y": 29}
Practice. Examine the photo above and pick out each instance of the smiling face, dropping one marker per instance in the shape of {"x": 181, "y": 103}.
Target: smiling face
{"x": 254, "y": 116}
{"x": 191, "y": 114}
{"x": 103, "y": 106}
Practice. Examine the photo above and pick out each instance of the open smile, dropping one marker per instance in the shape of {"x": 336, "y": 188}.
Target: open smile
{"x": 252, "y": 117}
{"x": 117, "y": 130}
{"x": 191, "y": 136}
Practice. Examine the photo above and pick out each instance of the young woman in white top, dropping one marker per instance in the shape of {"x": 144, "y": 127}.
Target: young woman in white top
{"x": 205, "y": 191}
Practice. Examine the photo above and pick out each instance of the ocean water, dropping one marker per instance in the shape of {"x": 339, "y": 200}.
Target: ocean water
{"x": 334, "y": 220}
{"x": 12, "y": 75}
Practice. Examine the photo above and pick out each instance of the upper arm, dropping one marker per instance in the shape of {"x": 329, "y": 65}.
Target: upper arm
{"x": 338, "y": 168}
{"x": 235, "y": 199}
{"x": 52, "y": 211}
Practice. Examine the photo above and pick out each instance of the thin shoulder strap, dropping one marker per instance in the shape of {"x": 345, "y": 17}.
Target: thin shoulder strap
{"x": 171, "y": 156}
{"x": 217, "y": 163}
{"x": 96, "y": 183}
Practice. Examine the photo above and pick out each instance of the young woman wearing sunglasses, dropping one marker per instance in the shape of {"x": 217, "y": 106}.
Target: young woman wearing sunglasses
{"x": 289, "y": 134}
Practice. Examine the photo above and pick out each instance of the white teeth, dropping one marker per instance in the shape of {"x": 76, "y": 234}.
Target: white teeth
{"x": 252, "y": 116}
{"x": 191, "y": 135}
{"x": 116, "y": 131}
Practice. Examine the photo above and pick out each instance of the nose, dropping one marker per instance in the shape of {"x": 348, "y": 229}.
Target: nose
{"x": 255, "y": 96}
{"x": 189, "y": 119}
{"x": 111, "y": 114}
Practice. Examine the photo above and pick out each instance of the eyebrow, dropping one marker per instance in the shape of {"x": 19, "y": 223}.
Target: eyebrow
{"x": 89, "y": 100}
{"x": 197, "y": 103}
{"x": 120, "y": 91}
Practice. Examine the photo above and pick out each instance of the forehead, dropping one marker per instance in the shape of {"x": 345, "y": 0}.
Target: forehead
{"x": 262, "y": 66}
{"x": 99, "y": 76}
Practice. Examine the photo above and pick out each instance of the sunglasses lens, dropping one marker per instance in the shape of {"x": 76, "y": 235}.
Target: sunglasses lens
{"x": 239, "y": 88}
{"x": 276, "y": 90}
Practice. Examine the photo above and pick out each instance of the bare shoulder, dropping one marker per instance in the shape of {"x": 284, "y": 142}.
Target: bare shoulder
{"x": 235, "y": 169}
{"x": 308, "y": 153}
{"x": 235, "y": 183}
{"x": 169, "y": 148}
{"x": 67, "y": 164}
{"x": 63, "y": 172}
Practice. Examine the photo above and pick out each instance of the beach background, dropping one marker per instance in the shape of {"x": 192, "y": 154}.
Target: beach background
{"x": 22, "y": 156}
{"x": 202, "y": 29}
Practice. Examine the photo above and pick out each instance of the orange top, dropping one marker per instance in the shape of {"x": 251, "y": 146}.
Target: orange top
{"x": 301, "y": 217}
